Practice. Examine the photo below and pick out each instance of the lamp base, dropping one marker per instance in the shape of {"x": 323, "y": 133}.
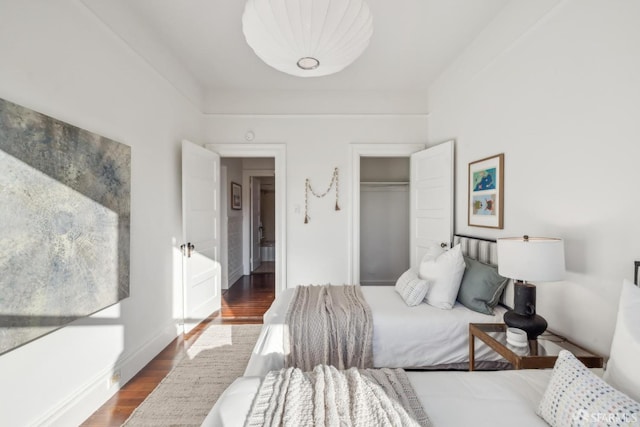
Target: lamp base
{"x": 533, "y": 325}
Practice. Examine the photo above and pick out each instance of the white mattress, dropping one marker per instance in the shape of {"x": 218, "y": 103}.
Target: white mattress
{"x": 403, "y": 337}
{"x": 502, "y": 398}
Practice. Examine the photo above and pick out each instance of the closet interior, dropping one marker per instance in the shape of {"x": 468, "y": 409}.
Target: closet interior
{"x": 384, "y": 219}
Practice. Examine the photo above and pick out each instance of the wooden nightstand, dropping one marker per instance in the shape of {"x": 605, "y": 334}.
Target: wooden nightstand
{"x": 541, "y": 353}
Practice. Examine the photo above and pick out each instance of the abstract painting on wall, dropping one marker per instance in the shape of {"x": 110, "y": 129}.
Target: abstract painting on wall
{"x": 486, "y": 183}
{"x": 64, "y": 224}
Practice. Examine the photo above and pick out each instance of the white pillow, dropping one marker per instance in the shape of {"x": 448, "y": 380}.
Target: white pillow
{"x": 443, "y": 276}
{"x": 575, "y": 396}
{"x": 411, "y": 288}
{"x": 623, "y": 367}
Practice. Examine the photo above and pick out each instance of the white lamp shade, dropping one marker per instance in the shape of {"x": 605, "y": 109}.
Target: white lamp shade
{"x": 326, "y": 33}
{"x": 536, "y": 259}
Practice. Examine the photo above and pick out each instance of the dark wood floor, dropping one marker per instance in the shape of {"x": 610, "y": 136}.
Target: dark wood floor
{"x": 245, "y": 302}
{"x": 249, "y": 297}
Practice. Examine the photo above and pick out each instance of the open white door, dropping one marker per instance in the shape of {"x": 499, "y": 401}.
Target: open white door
{"x": 201, "y": 232}
{"x": 431, "y": 211}
{"x": 256, "y": 227}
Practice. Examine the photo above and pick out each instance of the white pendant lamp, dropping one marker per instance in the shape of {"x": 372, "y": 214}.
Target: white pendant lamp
{"x": 307, "y": 38}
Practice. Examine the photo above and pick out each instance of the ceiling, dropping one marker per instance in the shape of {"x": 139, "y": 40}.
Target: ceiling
{"x": 198, "y": 46}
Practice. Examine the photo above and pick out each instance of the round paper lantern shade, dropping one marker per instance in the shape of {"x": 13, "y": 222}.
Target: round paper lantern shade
{"x": 307, "y": 38}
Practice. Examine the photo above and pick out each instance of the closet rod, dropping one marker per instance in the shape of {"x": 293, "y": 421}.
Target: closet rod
{"x": 384, "y": 183}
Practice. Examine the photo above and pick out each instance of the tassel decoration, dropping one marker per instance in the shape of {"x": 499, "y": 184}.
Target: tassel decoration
{"x": 308, "y": 188}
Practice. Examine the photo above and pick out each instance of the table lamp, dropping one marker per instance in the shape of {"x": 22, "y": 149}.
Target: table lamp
{"x": 524, "y": 259}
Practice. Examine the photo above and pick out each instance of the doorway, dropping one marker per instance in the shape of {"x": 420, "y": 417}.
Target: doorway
{"x": 384, "y": 219}
{"x": 359, "y": 151}
{"x": 248, "y": 232}
{"x": 278, "y": 153}
{"x": 430, "y": 197}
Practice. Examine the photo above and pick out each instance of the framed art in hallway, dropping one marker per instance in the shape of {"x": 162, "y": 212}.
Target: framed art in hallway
{"x": 236, "y": 196}
{"x": 486, "y": 185}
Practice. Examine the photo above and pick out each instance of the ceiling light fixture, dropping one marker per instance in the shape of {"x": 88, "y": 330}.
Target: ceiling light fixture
{"x": 307, "y": 38}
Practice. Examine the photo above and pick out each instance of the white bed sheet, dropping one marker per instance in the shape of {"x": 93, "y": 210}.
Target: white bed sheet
{"x": 502, "y": 398}
{"x": 403, "y": 337}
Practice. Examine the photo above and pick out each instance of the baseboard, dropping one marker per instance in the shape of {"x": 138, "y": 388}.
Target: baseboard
{"x": 235, "y": 275}
{"x": 82, "y": 403}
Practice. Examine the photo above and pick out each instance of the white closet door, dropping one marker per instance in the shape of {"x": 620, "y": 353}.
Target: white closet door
{"x": 431, "y": 209}
{"x": 201, "y": 229}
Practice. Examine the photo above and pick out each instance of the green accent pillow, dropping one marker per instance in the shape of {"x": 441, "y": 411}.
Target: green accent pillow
{"x": 481, "y": 286}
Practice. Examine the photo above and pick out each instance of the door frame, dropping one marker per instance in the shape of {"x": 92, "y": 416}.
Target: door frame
{"x": 279, "y": 153}
{"x": 356, "y": 151}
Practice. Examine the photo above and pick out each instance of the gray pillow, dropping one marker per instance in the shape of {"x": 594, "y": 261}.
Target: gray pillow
{"x": 481, "y": 286}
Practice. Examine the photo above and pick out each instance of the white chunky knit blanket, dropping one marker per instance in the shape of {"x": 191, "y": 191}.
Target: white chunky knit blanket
{"x": 332, "y": 398}
{"x": 329, "y": 325}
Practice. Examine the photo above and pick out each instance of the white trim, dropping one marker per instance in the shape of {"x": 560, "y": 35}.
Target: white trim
{"x": 315, "y": 115}
{"x": 77, "y": 406}
{"x": 235, "y": 275}
{"x": 367, "y": 150}
{"x": 279, "y": 153}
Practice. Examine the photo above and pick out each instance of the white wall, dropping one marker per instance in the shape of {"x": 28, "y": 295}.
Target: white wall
{"x": 555, "y": 86}
{"x": 234, "y": 223}
{"x": 258, "y": 163}
{"x": 318, "y": 252}
{"x": 58, "y": 59}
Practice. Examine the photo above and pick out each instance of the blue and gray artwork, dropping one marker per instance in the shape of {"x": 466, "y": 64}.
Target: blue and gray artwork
{"x": 64, "y": 224}
{"x": 484, "y": 180}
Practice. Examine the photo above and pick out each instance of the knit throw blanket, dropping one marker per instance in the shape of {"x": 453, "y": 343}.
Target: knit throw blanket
{"x": 329, "y": 397}
{"x": 329, "y": 325}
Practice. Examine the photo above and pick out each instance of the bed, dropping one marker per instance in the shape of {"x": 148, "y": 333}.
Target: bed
{"x": 570, "y": 394}
{"x": 450, "y": 398}
{"x": 420, "y": 337}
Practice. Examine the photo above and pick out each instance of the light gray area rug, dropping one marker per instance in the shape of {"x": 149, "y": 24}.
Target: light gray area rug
{"x": 188, "y": 392}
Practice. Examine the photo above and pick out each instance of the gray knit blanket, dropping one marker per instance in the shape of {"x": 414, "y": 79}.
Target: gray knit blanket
{"x": 329, "y": 325}
{"x": 334, "y": 398}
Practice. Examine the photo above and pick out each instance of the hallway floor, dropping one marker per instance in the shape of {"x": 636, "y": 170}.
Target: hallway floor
{"x": 250, "y": 296}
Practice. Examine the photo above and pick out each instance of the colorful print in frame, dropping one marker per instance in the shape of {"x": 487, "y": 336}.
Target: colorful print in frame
{"x": 486, "y": 200}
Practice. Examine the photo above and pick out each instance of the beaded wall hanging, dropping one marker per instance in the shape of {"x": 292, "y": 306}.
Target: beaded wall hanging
{"x": 308, "y": 188}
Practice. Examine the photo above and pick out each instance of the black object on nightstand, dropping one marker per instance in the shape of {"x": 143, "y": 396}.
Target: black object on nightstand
{"x": 523, "y": 316}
